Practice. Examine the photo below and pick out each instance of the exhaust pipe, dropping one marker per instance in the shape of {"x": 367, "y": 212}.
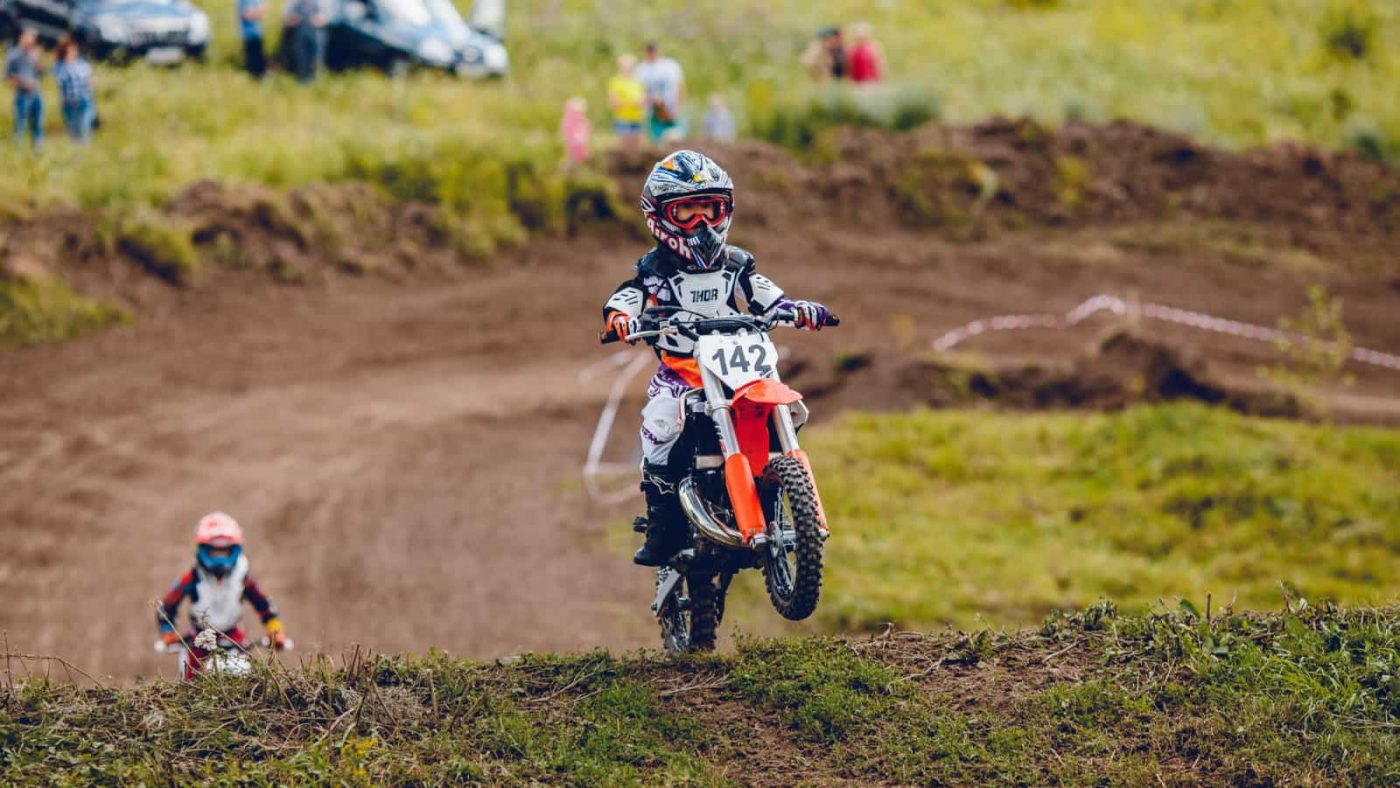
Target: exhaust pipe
{"x": 703, "y": 521}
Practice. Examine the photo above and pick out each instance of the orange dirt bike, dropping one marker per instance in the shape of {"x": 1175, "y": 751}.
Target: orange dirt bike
{"x": 748, "y": 495}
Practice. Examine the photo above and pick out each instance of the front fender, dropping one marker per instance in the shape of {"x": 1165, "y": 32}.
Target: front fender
{"x": 766, "y": 392}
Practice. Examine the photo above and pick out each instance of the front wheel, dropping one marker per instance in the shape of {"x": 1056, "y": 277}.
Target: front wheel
{"x": 792, "y": 568}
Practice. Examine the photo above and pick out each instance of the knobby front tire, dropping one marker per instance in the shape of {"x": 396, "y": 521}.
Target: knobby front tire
{"x": 793, "y": 573}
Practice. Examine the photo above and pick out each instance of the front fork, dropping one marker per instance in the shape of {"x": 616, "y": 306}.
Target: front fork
{"x": 739, "y": 475}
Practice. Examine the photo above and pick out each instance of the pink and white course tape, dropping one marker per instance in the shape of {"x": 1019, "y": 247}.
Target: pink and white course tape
{"x": 1167, "y": 314}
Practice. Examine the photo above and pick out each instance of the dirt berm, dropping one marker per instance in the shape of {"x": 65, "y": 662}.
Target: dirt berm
{"x": 401, "y": 427}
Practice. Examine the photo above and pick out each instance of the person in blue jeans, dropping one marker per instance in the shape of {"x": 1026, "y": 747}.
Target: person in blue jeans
{"x": 73, "y": 74}
{"x": 250, "y": 16}
{"x": 23, "y": 72}
{"x": 306, "y": 21}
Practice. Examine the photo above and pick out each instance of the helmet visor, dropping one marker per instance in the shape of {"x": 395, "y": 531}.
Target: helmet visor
{"x": 218, "y": 559}
{"x": 691, "y": 212}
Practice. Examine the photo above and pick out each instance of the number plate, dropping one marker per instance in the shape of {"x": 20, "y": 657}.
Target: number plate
{"x": 165, "y": 55}
{"x": 737, "y": 360}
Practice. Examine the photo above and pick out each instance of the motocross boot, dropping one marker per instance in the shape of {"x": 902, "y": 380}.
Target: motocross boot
{"x": 665, "y": 523}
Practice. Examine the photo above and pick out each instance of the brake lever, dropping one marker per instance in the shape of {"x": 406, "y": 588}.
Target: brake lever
{"x": 640, "y": 335}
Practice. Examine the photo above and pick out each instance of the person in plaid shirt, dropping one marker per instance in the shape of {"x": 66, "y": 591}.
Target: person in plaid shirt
{"x": 73, "y": 73}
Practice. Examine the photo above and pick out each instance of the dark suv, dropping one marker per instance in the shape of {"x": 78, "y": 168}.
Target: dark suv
{"x": 397, "y": 35}
{"x": 161, "y": 31}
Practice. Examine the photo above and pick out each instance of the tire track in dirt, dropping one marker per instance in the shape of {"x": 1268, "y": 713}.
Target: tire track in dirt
{"x": 401, "y": 487}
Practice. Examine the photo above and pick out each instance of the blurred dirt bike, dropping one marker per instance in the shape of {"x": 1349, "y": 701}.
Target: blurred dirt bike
{"x": 228, "y": 656}
{"x": 749, "y": 494}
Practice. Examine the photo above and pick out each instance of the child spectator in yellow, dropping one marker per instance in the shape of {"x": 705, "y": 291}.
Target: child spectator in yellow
{"x": 625, "y": 98}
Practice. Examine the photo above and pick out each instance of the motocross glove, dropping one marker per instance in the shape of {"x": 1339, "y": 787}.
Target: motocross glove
{"x": 811, "y": 316}
{"x": 275, "y": 635}
{"x": 169, "y": 637}
{"x": 624, "y": 326}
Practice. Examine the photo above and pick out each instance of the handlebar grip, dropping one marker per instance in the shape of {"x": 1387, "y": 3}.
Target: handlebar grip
{"x": 831, "y": 320}
{"x": 608, "y": 337}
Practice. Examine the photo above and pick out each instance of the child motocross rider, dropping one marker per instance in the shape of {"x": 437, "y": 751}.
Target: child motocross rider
{"x": 688, "y": 201}
{"x": 217, "y": 587}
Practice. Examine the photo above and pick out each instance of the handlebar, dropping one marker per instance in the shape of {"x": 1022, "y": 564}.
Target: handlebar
{"x": 696, "y": 327}
{"x": 162, "y": 647}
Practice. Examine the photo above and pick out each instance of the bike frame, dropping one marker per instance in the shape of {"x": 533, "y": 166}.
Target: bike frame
{"x": 746, "y": 424}
{"x": 760, "y": 408}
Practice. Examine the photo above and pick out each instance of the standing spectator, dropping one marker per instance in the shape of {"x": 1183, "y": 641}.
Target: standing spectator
{"x": 664, "y": 82}
{"x": 307, "y": 20}
{"x": 864, "y": 59}
{"x": 23, "y": 72}
{"x": 719, "y": 121}
{"x": 626, "y": 95}
{"x": 250, "y": 16}
{"x": 73, "y": 73}
{"x": 836, "y": 46}
{"x": 575, "y": 131}
{"x": 825, "y": 56}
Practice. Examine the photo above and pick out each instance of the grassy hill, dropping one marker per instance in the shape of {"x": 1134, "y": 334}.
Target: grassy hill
{"x": 1307, "y": 695}
{"x": 981, "y": 518}
{"x": 1238, "y": 73}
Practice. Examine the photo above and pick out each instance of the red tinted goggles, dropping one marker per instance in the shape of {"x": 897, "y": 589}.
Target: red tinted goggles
{"x": 691, "y": 213}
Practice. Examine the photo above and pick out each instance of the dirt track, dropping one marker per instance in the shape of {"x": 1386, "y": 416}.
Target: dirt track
{"x": 405, "y": 454}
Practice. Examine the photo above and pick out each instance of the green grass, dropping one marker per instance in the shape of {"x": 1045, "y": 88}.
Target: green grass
{"x": 46, "y": 310}
{"x": 160, "y": 245}
{"x": 1237, "y": 73}
{"x": 1308, "y": 695}
{"x": 972, "y": 517}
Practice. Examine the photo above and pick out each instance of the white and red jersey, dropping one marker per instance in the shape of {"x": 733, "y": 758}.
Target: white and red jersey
{"x": 215, "y": 601}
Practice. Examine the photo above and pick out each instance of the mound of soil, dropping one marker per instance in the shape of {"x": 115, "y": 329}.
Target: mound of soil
{"x": 962, "y": 182}
{"x": 1122, "y": 369}
{"x": 1010, "y": 173}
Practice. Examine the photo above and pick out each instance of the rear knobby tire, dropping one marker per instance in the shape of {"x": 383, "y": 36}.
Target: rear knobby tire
{"x": 793, "y": 572}
{"x": 704, "y": 611}
{"x": 689, "y": 628}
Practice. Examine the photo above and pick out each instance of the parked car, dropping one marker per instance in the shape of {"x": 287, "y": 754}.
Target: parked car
{"x": 398, "y": 35}
{"x": 160, "y": 31}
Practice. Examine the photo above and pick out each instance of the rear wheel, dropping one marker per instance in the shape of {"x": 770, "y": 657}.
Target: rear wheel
{"x": 704, "y": 611}
{"x": 792, "y": 568}
{"x": 689, "y": 624}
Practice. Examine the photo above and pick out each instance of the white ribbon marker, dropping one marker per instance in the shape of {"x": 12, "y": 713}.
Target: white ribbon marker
{"x": 1167, "y": 314}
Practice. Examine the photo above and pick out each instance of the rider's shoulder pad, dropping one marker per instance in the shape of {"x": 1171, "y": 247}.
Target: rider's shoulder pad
{"x": 646, "y": 264}
{"x": 739, "y": 258}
